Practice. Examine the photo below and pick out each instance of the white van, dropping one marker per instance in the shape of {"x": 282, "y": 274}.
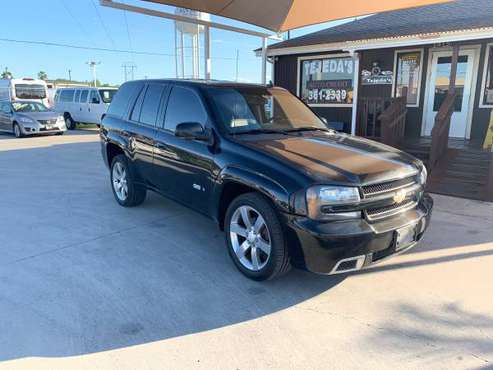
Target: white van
{"x": 84, "y": 105}
{"x": 23, "y": 90}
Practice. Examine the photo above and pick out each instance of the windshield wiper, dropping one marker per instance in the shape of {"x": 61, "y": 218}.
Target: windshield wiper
{"x": 260, "y": 131}
{"x": 308, "y": 128}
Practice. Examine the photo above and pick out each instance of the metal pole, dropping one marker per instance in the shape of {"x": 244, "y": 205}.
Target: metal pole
{"x": 264, "y": 60}
{"x": 237, "y": 63}
{"x": 354, "y": 112}
{"x": 176, "y": 53}
{"x": 207, "y": 53}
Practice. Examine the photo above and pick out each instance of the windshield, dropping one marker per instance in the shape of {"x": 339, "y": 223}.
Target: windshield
{"x": 248, "y": 109}
{"x": 27, "y": 91}
{"x": 29, "y": 107}
{"x": 107, "y": 95}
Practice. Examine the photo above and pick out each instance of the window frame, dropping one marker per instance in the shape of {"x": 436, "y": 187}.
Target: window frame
{"x": 487, "y": 60}
{"x": 324, "y": 56}
{"x": 168, "y": 97}
{"x": 420, "y": 77}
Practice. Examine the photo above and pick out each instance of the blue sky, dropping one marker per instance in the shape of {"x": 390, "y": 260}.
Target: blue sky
{"x": 78, "y": 22}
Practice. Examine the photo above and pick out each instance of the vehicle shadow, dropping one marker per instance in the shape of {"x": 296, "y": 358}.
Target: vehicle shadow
{"x": 80, "y": 274}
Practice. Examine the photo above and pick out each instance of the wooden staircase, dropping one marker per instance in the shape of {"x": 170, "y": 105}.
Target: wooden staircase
{"x": 463, "y": 172}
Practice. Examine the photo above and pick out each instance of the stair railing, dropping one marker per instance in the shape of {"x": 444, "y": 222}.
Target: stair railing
{"x": 393, "y": 121}
{"x": 440, "y": 132}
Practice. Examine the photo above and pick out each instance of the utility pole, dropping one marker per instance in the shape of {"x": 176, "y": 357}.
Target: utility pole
{"x": 70, "y": 75}
{"x": 237, "y": 63}
{"x": 128, "y": 70}
{"x": 92, "y": 66}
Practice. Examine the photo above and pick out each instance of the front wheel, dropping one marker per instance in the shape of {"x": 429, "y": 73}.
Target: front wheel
{"x": 69, "y": 122}
{"x": 126, "y": 191}
{"x": 17, "y": 131}
{"x": 255, "y": 238}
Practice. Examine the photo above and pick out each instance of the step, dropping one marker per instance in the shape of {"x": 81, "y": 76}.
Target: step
{"x": 458, "y": 190}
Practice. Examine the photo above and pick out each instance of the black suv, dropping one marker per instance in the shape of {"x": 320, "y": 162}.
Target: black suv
{"x": 286, "y": 190}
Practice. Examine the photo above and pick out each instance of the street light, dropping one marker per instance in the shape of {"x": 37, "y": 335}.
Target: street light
{"x": 92, "y": 66}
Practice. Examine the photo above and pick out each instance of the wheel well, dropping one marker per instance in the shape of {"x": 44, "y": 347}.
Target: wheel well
{"x": 230, "y": 191}
{"x": 112, "y": 150}
{"x": 66, "y": 114}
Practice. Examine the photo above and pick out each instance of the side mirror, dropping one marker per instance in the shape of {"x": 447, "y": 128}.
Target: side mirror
{"x": 191, "y": 131}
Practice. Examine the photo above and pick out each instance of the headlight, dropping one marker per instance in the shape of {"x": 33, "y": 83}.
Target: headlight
{"x": 26, "y": 120}
{"x": 321, "y": 199}
{"x": 60, "y": 120}
{"x": 423, "y": 176}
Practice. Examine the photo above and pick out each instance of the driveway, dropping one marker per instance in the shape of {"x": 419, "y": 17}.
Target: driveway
{"x": 85, "y": 283}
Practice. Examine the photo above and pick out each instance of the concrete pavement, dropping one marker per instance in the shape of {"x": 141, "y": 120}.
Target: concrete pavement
{"x": 85, "y": 283}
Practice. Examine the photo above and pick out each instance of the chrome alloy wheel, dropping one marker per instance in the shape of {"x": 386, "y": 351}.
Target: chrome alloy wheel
{"x": 250, "y": 238}
{"x": 119, "y": 175}
{"x": 17, "y": 131}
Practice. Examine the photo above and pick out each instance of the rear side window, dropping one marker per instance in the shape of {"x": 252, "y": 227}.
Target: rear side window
{"x": 151, "y": 104}
{"x": 184, "y": 105}
{"x": 83, "y": 96}
{"x": 122, "y": 99}
{"x": 67, "y": 96}
{"x": 77, "y": 95}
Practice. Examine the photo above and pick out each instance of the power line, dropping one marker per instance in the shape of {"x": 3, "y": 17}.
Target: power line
{"x": 128, "y": 34}
{"x": 93, "y": 48}
{"x": 74, "y": 18}
{"x": 108, "y": 35}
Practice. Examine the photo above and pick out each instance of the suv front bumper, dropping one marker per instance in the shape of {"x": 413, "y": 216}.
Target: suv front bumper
{"x": 344, "y": 246}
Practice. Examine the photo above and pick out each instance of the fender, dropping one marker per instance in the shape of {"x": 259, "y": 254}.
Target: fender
{"x": 111, "y": 137}
{"x": 255, "y": 180}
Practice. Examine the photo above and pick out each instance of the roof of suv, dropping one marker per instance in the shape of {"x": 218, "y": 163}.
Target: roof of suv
{"x": 218, "y": 83}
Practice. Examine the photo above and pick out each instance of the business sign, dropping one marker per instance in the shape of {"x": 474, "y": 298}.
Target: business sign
{"x": 376, "y": 76}
{"x": 327, "y": 80}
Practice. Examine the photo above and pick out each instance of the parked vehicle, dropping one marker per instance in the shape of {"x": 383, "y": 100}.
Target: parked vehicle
{"x": 85, "y": 105}
{"x": 30, "y": 118}
{"x": 24, "y": 89}
{"x": 285, "y": 189}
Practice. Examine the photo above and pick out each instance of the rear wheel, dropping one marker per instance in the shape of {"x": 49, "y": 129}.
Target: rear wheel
{"x": 255, "y": 238}
{"x": 17, "y": 131}
{"x": 126, "y": 191}
{"x": 69, "y": 122}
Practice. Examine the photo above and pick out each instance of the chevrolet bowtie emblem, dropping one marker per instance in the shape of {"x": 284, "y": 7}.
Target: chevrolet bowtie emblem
{"x": 400, "y": 196}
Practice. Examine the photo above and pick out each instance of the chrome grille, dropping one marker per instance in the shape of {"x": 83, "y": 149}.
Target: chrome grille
{"x": 387, "y": 187}
{"x": 47, "y": 122}
{"x": 390, "y": 210}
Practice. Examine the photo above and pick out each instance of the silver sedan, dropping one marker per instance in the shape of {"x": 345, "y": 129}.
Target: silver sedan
{"x": 30, "y": 118}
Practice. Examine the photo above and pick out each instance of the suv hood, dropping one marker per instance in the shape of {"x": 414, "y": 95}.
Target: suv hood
{"x": 326, "y": 157}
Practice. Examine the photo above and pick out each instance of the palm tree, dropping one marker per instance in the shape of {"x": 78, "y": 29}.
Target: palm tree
{"x": 6, "y": 73}
{"x": 42, "y": 75}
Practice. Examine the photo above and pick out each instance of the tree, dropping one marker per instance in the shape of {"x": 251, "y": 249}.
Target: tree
{"x": 6, "y": 73}
{"x": 42, "y": 75}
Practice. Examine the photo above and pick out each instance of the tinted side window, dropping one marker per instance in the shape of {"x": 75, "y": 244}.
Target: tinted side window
{"x": 122, "y": 99}
{"x": 151, "y": 104}
{"x": 135, "y": 116}
{"x": 77, "y": 95}
{"x": 83, "y": 96}
{"x": 184, "y": 105}
{"x": 67, "y": 96}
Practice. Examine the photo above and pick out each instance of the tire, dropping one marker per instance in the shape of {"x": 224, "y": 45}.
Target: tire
{"x": 17, "y": 131}
{"x": 69, "y": 122}
{"x": 123, "y": 177}
{"x": 241, "y": 244}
